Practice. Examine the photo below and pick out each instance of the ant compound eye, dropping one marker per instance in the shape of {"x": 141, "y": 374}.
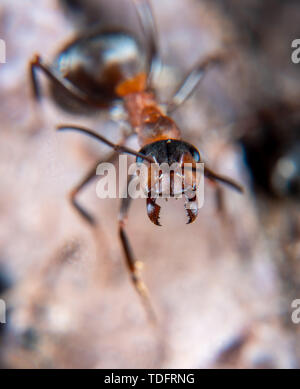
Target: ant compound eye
{"x": 139, "y": 160}
{"x": 195, "y": 154}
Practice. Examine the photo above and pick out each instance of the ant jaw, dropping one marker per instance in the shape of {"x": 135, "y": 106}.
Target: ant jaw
{"x": 192, "y": 215}
{"x": 191, "y": 207}
{"x": 153, "y": 210}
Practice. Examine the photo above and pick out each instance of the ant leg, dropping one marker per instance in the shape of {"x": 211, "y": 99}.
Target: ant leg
{"x": 219, "y": 196}
{"x": 147, "y": 22}
{"x": 191, "y": 81}
{"x": 33, "y": 77}
{"x": 74, "y": 192}
{"x": 211, "y": 175}
{"x": 219, "y": 199}
{"x": 133, "y": 265}
{"x": 87, "y": 178}
{"x": 37, "y": 63}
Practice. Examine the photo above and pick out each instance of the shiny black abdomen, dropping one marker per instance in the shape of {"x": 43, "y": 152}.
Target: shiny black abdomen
{"x": 96, "y": 63}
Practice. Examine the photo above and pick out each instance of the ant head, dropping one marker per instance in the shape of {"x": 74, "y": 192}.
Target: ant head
{"x": 171, "y": 151}
{"x": 169, "y": 175}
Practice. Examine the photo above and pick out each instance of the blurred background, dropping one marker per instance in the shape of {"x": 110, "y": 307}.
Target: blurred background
{"x": 223, "y": 286}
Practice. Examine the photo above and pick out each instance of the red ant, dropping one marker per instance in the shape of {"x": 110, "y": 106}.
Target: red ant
{"x": 103, "y": 66}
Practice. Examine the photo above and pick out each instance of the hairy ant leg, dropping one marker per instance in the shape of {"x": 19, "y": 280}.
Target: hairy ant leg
{"x": 134, "y": 266}
{"x": 88, "y": 178}
{"x": 148, "y": 25}
{"x": 192, "y": 80}
{"x": 118, "y": 148}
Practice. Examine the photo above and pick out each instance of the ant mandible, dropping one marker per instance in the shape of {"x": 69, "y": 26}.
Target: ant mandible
{"x": 104, "y": 66}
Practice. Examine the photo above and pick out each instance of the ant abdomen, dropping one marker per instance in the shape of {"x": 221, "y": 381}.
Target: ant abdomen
{"x": 96, "y": 64}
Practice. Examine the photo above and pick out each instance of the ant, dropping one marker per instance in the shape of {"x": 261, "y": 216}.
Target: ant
{"x": 101, "y": 67}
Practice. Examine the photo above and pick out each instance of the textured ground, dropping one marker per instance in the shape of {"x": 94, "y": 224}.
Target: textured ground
{"x": 222, "y": 286}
